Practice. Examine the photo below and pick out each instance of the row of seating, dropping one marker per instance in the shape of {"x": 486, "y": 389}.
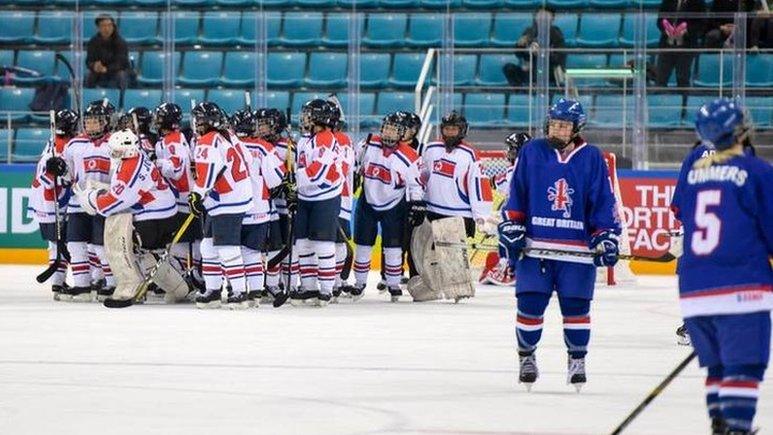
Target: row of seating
{"x": 377, "y": 69}
{"x": 391, "y": 30}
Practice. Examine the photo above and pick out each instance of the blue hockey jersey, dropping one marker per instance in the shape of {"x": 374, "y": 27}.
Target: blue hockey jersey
{"x": 727, "y": 213}
{"x": 563, "y": 200}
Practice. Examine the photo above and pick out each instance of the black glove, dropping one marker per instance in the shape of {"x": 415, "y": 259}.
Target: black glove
{"x": 357, "y": 182}
{"x": 196, "y": 203}
{"x": 291, "y": 197}
{"x": 276, "y": 191}
{"x": 416, "y": 212}
{"x": 56, "y": 166}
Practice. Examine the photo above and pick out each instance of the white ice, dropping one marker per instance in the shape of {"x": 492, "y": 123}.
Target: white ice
{"x": 370, "y": 367}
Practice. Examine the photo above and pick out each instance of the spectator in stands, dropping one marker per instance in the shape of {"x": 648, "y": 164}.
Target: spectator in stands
{"x": 720, "y": 28}
{"x": 518, "y": 75}
{"x": 677, "y": 32}
{"x": 107, "y": 56}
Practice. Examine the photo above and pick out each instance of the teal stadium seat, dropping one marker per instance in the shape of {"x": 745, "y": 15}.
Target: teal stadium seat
{"x": 609, "y": 4}
{"x": 150, "y": 3}
{"x": 286, "y": 69}
{"x": 337, "y": 30}
{"x": 248, "y": 36}
{"x": 220, "y": 28}
{"x": 568, "y": 23}
{"x": 229, "y": 100}
{"x": 425, "y": 30}
{"x": 374, "y": 69}
{"x": 97, "y": 94}
{"x": 184, "y": 96}
{"x": 42, "y": 61}
{"x": 385, "y": 30}
{"x": 761, "y": 111}
{"x": 599, "y": 30}
{"x": 15, "y": 100}
{"x": 54, "y": 27}
{"x": 398, "y": 4}
{"x": 389, "y": 102}
{"x": 186, "y": 27}
{"x": 302, "y": 28}
{"x": 4, "y": 133}
{"x": 279, "y": 99}
{"x": 482, "y": 4}
{"x": 518, "y": 110}
{"x": 6, "y": 57}
{"x": 472, "y": 29}
{"x": 665, "y": 110}
{"x": 508, "y": 27}
{"x": 367, "y": 101}
{"x": 318, "y": 4}
{"x": 149, "y": 98}
{"x": 327, "y": 69}
{"x": 484, "y": 109}
{"x": 491, "y": 65}
{"x": 152, "y": 67}
{"x": 361, "y": 4}
{"x": 201, "y": 68}
{"x": 406, "y": 69}
{"x": 465, "y": 66}
{"x": 708, "y": 70}
{"x": 193, "y": 3}
{"x": 759, "y": 70}
{"x": 609, "y": 110}
{"x": 522, "y": 4}
{"x": 237, "y": 3}
{"x": 239, "y": 69}
{"x": 29, "y": 144}
{"x": 439, "y": 4}
{"x": 568, "y": 4}
{"x": 590, "y": 61}
{"x": 17, "y": 27}
{"x": 651, "y": 27}
{"x": 140, "y": 28}
{"x": 275, "y": 3}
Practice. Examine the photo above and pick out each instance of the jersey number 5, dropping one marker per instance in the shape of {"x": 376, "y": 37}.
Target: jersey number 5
{"x": 706, "y": 238}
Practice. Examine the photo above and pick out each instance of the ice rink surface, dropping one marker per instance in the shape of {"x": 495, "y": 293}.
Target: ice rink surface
{"x": 367, "y": 368}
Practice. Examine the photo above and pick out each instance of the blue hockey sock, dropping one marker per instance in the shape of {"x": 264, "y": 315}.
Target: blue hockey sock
{"x": 528, "y": 323}
{"x": 576, "y": 314}
{"x": 738, "y": 394}
{"x": 713, "y": 381}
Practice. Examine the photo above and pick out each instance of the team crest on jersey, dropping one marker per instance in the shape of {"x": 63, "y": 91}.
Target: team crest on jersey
{"x": 379, "y": 173}
{"x": 444, "y": 167}
{"x": 560, "y": 194}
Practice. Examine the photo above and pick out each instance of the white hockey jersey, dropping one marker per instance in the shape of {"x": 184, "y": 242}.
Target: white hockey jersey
{"x": 390, "y": 174}
{"x": 86, "y": 160}
{"x": 173, "y": 159}
{"x": 280, "y": 148}
{"x": 455, "y": 183}
{"x": 319, "y": 171}
{"x": 42, "y": 203}
{"x": 501, "y": 182}
{"x": 266, "y": 172}
{"x": 222, "y": 176}
{"x": 346, "y": 151}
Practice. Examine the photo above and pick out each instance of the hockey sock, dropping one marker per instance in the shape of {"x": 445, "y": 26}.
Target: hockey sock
{"x": 340, "y": 260}
{"x": 61, "y": 271}
{"x": 296, "y": 271}
{"x": 528, "y": 323}
{"x": 713, "y": 381}
{"x": 272, "y": 274}
{"x": 326, "y": 258}
{"x": 576, "y": 314}
{"x": 210, "y": 267}
{"x": 99, "y": 250}
{"x": 308, "y": 264}
{"x": 393, "y": 266}
{"x": 738, "y": 395}
{"x": 79, "y": 263}
{"x": 362, "y": 264}
{"x": 95, "y": 268}
{"x": 253, "y": 268}
{"x": 233, "y": 267}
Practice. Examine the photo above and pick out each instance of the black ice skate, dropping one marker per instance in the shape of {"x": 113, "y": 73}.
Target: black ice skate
{"x": 575, "y": 372}
{"x": 206, "y": 301}
{"x": 718, "y": 426}
{"x": 682, "y": 336}
{"x": 527, "y": 372}
{"x": 323, "y": 299}
{"x": 104, "y": 293}
{"x": 357, "y": 291}
{"x": 382, "y": 286}
{"x": 80, "y": 294}
{"x": 269, "y": 294}
{"x": 395, "y": 293}
{"x": 254, "y": 297}
{"x": 61, "y": 292}
{"x": 336, "y": 295}
{"x": 237, "y": 301}
{"x": 302, "y": 297}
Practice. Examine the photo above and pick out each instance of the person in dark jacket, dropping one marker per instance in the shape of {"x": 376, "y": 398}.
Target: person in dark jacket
{"x": 107, "y": 56}
{"x": 721, "y": 27}
{"x": 518, "y": 75}
{"x": 677, "y": 32}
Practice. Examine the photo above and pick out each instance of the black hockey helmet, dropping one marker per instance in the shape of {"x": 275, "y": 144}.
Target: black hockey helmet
{"x": 167, "y": 116}
{"x": 243, "y": 123}
{"x": 514, "y": 143}
{"x": 393, "y": 129}
{"x": 456, "y": 119}
{"x": 208, "y": 116}
{"x": 144, "y": 118}
{"x": 270, "y": 123}
{"x": 316, "y": 112}
{"x": 336, "y": 121}
{"x": 66, "y": 123}
{"x": 102, "y": 111}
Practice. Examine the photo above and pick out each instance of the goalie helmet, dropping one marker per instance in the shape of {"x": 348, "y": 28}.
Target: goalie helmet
{"x": 167, "y": 116}
{"x": 514, "y": 143}
{"x": 123, "y": 144}
{"x": 454, "y": 119}
{"x": 208, "y": 117}
{"x": 392, "y": 129}
{"x": 243, "y": 123}
{"x": 66, "y": 123}
{"x": 316, "y": 113}
{"x": 97, "y": 118}
{"x": 722, "y": 123}
{"x": 270, "y": 123}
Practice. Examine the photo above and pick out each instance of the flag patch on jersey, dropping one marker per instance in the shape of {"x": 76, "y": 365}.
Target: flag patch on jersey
{"x": 378, "y": 172}
{"x": 444, "y": 167}
{"x": 97, "y": 164}
{"x": 560, "y": 196}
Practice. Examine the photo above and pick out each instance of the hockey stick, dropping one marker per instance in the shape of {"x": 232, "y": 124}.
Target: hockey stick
{"x": 665, "y": 258}
{"x": 60, "y": 244}
{"x": 60, "y": 57}
{"x": 349, "y": 254}
{"x": 655, "y": 393}
{"x": 287, "y": 250}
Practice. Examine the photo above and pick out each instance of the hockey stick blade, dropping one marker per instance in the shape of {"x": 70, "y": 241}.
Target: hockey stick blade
{"x": 50, "y": 271}
{"x": 281, "y": 298}
{"x": 278, "y": 258}
{"x": 116, "y": 303}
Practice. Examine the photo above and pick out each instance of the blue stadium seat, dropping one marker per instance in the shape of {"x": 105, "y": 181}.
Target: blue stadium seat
{"x": 367, "y": 103}
{"x": 609, "y": 110}
{"x": 278, "y": 99}
{"x": 568, "y": 24}
{"x": 17, "y": 27}
{"x": 4, "y": 133}
{"x": 239, "y": 69}
{"x": 361, "y": 4}
{"x": 302, "y": 28}
{"x": 708, "y": 70}
{"x": 518, "y": 109}
{"x": 38, "y": 60}
{"x": 761, "y": 111}
{"x": 653, "y": 33}
{"x": 94, "y": 94}
{"x": 201, "y": 68}
{"x": 152, "y": 67}
{"x": 484, "y": 109}
{"x": 472, "y": 29}
{"x": 522, "y": 4}
{"x": 482, "y": 4}
{"x": 439, "y": 4}
{"x": 337, "y": 30}
{"x": 374, "y": 69}
{"x": 319, "y": 4}
{"x": 273, "y": 23}
{"x": 6, "y": 57}
{"x": 29, "y": 144}
{"x": 611, "y": 4}
{"x": 275, "y": 3}
{"x": 149, "y": 98}
{"x": 568, "y": 4}
{"x": 327, "y": 69}
{"x": 385, "y": 30}
{"x": 54, "y": 27}
{"x": 15, "y": 100}
{"x": 184, "y": 96}
{"x": 186, "y": 27}
{"x": 149, "y": 3}
{"x": 239, "y": 3}
{"x": 586, "y": 60}
{"x": 229, "y": 100}
{"x": 188, "y": 3}
{"x": 393, "y": 101}
{"x": 759, "y": 70}
{"x": 286, "y": 69}
{"x": 465, "y": 66}
{"x": 398, "y": 4}
{"x": 509, "y": 27}
{"x": 425, "y": 30}
{"x": 491, "y": 65}
{"x": 665, "y": 110}
{"x": 220, "y": 28}
{"x": 406, "y": 69}
{"x": 140, "y": 27}
{"x": 599, "y": 30}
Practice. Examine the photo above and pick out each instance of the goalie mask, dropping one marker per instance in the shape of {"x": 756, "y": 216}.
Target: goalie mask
{"x": 97, "y": 118}
{"x": 66, "y": 123}
{"x": 208, "y": 117}
{"x": 453, "y": 128}
{"x": 123, "y": 144}
{"x": 514, "y": 143}
{"x": 167, "y": 117}
{"x": 392, "y": 130}
{"x": 565, "y": 120}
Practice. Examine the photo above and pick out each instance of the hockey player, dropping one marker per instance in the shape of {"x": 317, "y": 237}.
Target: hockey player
{"x": 391, "y": 186}
{"x": 144, "y": 120}
{"x": 497, "y": 270}
{"x": 560, "y": 199}
{"x": 320, "y": 179}
{"x": 222, "y": 194}
{"x": 725, "y": 204}
{"x": 346, "y": 150}
{"x": 49, "y": 198}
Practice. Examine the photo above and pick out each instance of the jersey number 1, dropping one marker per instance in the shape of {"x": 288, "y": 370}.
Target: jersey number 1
{"x": 706, "y": 238}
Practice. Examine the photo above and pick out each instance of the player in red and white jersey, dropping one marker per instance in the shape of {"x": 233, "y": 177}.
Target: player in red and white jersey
{"x": 456, "y": 186}
{"x": 391, "y": 187}
{"x": 222, "y": 194}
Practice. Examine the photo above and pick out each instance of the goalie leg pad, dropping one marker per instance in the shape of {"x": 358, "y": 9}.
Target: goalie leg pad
{"x": 119, "y": 249}
{"x": 420, "y": 291}
{"x": 450, "y": 267}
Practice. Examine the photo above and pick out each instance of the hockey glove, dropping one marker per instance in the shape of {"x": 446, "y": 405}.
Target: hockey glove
{"x": 604, "y": 245}
{"x": 416, "y": 212}
{"x": 291, "y": 196}
{"x": 196, "y": 203}
{"x": 512, "y": 240}
{"x": 56, "y": 166}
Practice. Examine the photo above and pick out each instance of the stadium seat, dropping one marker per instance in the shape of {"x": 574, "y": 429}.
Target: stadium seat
{"x": 327, "y": 69}
{"x": 425, "y": 30}
{"x": 509, "y": 27}
{"x": 599, "y": 30}
{"x": 29, "y": 144}
{"x": 761, "y": 111}
{"x": 38, "y": 60}
{"x": 484, "y": 109}
{"x": 278, "y": 99}
{"x": 273, "y": 23}
{"x": 586, "y": 60}
{"x": 17, "y": 27}
{"x": 708, "y": 70}
{"x": 300, "y": 98}
{"x": 367, "y": 103}
{"x": 149, "y": 3}
{"x": 406, "y": 69}
{"x": 319, "y": 4}
{"x": 385, "y": 30}
{"x": 397, "y": 4}
{"x": 302, "y": 28}
{"x": 54, "y": 27}
{"x": 189, "y": 3}
{"x": 229, "y": 100}
{"x": 482, "y": 4}
{"x": 471, "y": 29}
{"x": 439, "y": 4}
{"x": 611, "y": 4}
{"x": 6, "y": 57}
{"x": 522, "y": 4}
{"x": 518, "y": 109}
{"x": 568, "y": 4}
{"x": 665, "y": 110}
{"x": 374, "y": 69}
{"x": 149, "y": 98}
{"x": 609, "y": 110}
{"x": 243, "y": 3}
{"x": 361, "y": 4}
{"x": 286, "y": 69}
{"x": 184, "y": 96}
{"x": 651, "y": 28}
{"x": 4, "y": 133}
{"x": 96, "y": 94}
{"x": 186, "y": 27}
{"x": 568, "y": 24}
{"x": 140, "y": 27}
{"x": 15, "y": 100}
{"x": 239, "y": 69}
{"x": 337, "y": 30}
{"x": 152, "y": 67}
{"x": 201, "y": 68}
{"x": 465, "y": 66}
{"x": 759, "y": 70}
{"x": 220, "y": 28}
{"x": 393, "y": 101}
{"x": 491, "y": 73}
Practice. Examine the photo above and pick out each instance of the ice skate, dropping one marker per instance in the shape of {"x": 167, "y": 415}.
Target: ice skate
{"x": 254, "y": 297}
{"x": 269, "y": 294}
{"x": 104, "y": 293}
{"x": 382, "y": 286}
{"x": 80, "y": 294}
{"x": 237, "y": 301}
{"x": 395, "y": 293}
{"x": 357, "y": 292}
{"x": 527, "y": 372}
{"x": 336, "y": 295}
{"x": 323, "y": 299}
{"x": 208, "y": 301}
{"x": 718, "y": 426}
{"x": 682, "y": 336}
{"x": 61, "y": 292}
{"x": 575, "y": 372}
{"x": 301, "y": 297}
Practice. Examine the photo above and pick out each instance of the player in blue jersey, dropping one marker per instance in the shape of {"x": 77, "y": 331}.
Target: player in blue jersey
{"x": 560, "y": 209}
{"x": 725, "y": 277}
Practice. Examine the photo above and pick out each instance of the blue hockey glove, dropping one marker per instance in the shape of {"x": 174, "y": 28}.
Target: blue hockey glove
{"x": 512, "y": 240}
{"x": 604, "y": 245}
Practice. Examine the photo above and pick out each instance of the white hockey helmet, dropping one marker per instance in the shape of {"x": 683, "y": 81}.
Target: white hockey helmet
{"x": 123, "y": 144}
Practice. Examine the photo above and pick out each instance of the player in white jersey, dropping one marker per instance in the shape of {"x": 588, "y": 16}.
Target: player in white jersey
{"x": 346, "y": 150}
{"x": 391, "y": 187}
{"x": 222, "y": 194}
{"x": 320, "y": 180}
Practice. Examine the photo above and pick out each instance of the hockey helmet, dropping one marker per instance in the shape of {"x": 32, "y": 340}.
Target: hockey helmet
{"x": 243, "y": 123}
{"x": 167, "y": 116}
{"x": 316, "y": 112}
{"x": 270, "y": 123}
{"x": 722, "y": 123}
{"x": 514, "y": 143}
{"x": 392, "y": 129}
{"x": 207, "y": 116}
{"x": 412, "y": 124}
{"x": 453, "y": 119}
{"x": 66, "y": 122}
{"x": 568, "y": 111}
{"x": 97, "y": 118}
{"x": 123, "y": 144}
